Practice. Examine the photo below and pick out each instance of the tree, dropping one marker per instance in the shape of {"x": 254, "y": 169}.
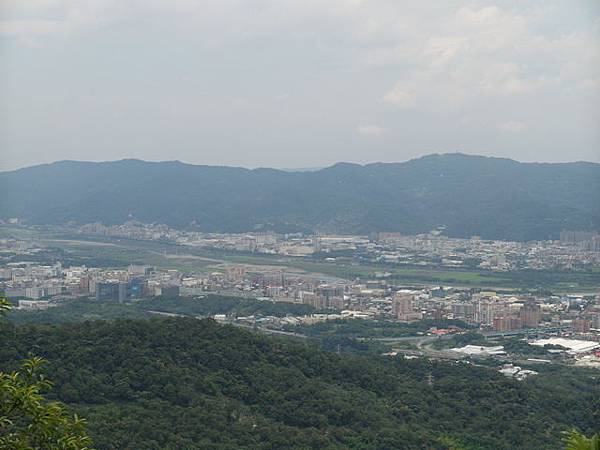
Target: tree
{"x": 27, "y": 420}
{"x": 4, "y": 305}
{"x": 574, "y": 440}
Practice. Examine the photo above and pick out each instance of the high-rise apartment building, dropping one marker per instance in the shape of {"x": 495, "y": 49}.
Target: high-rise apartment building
{"x": 463, "y": 310}
{"x": 488, "y": 308}
{"x": 530, "y": 314}
{"x": 581, "y": 325}
{"x": 506, "y": 323}
{"x": 402, "y": 307}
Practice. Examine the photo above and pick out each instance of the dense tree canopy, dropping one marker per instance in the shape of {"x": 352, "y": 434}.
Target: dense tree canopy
{"x": 88, "y": 309}
{"x": 27, "y": 420}
{"x": 194, "y": 384}
{"x": 574, "y": 440}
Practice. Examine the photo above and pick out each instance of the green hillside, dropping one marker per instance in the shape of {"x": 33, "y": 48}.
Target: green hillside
{"x": 194, "y": 384}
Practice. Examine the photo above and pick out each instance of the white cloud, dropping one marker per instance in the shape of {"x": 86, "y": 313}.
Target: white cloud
{"x": 590, "y": 83}
{"x": 474, "y": 53}
{"x": 31, "y": 28}
{"x": 305, "y": 64}
{"x": 370, "y": 130}
{"x": 442, "y": 50}
{"x": 400, "y": 96}
{"x": 513, "y": 126}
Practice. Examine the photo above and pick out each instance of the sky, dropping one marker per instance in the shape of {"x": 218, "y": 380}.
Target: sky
{"x": 297, "y": 83}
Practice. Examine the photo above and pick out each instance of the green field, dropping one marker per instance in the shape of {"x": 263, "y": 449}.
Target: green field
{"x": 119, "y": 252}
{"x": 169, "y": 256}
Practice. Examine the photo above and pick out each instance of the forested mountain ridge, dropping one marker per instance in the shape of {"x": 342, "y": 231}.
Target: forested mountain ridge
{"x": 491, "y": 197}
{"x": 186, "y": 383}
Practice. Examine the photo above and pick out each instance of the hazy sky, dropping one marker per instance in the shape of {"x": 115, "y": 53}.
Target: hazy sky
{"x": 298, "y": 83}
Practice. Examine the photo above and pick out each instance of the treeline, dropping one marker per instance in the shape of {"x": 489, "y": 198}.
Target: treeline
{"x": 193, "y": 384}
{"x": 352, "y": 328}
{"x": 218, "y": 304}
{"x": 90, "y": 309}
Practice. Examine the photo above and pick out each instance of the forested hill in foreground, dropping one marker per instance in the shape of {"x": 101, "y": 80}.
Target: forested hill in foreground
{"x": 194, "y": 384}
{"x": 470, "y": 195}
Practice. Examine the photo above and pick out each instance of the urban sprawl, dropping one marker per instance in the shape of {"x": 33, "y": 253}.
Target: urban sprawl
{"x": 566, "y": 322}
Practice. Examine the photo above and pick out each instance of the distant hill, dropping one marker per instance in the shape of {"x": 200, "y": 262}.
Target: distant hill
{"x": 469, "y": 195}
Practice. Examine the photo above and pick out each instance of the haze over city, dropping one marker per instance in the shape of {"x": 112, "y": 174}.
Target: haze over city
{"x": 300, "y": 224}
{"x": 298, "y": 84}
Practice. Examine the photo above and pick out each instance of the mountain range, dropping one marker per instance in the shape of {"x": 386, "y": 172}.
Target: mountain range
{"x": 465, "y": 195}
